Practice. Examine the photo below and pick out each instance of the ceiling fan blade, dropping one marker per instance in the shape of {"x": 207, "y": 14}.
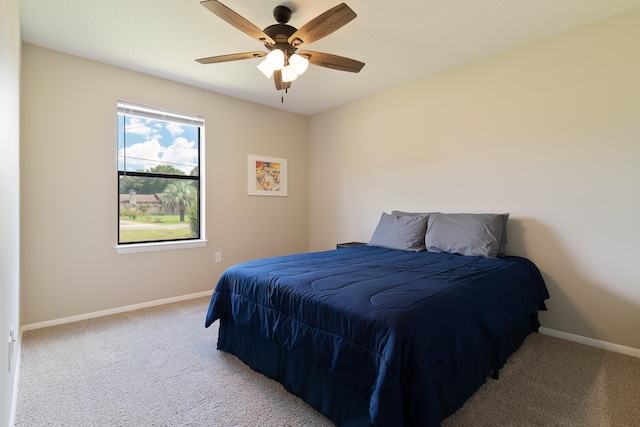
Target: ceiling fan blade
{"x": 231, "y": 57}
{"x": 237, "y": 21}
{"x": 332, "y": 61}
{"x": 280, "y": 85}
{"x": 322, "y": 25}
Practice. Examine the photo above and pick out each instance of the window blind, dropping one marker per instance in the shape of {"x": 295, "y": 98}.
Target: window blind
{"x": 145, "y": 112}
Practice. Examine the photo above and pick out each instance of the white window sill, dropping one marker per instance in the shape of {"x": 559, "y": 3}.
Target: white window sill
{"x": 160, "y": 246}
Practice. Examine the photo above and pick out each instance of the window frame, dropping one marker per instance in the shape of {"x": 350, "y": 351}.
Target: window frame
{"x": 162, "y": 114}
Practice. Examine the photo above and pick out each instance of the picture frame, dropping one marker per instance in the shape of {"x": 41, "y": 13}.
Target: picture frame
{"x": 266, "y": 176}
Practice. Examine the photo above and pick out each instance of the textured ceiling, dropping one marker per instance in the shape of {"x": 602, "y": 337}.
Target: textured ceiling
{"x": 398, "y": 41}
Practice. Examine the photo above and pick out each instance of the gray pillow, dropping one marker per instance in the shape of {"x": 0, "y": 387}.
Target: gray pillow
{"x": 401, "y": 213}
{"x": 503, "y": 237}
{"x": 466, "y": 234}
{"x": 400, "y": 232}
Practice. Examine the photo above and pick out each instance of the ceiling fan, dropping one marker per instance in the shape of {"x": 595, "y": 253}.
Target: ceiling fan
{"x": 282, "y": 41}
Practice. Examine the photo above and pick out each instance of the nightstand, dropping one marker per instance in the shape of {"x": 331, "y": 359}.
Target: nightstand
{"x": 349, "y": 245}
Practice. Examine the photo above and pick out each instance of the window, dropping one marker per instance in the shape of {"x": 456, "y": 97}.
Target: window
{"x": 160, "y": 195}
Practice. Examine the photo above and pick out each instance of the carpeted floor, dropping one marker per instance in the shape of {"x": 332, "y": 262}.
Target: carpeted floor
{"x": 159, "y": 367}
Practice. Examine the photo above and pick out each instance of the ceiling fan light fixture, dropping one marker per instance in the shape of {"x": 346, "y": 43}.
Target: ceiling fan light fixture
{"x": 266, "y": 68}
{"x": 282, "y": 40}
{"x": 299, "y": 63}
{"x": 276, "y": 59}
{"x": 289, "y": 74}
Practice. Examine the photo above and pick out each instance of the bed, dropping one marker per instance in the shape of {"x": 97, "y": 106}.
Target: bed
{"x": 374, "y": 335}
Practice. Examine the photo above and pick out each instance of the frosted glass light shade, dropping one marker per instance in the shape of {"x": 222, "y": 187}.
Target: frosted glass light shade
{"x": 299, "y": 63}
{"x": 289, "y": 74}
{"x": 266, "y": 68}
{"x": 276, "y": 58}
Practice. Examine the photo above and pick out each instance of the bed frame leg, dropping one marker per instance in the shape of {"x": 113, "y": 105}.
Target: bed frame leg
{"x": 496, "y": 374}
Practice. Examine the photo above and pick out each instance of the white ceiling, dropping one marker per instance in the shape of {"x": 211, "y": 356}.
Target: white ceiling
{"x": 398, "y": 41}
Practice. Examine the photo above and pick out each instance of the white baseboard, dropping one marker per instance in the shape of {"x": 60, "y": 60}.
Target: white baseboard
{"x": 635, "y": 352}
{"x": 116, "y": 310}
{"x": 546, "y": 331}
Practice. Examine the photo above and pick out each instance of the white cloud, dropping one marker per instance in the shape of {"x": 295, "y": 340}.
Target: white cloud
{"x": 143, "y": 128}
{"x": 182, "y": 155}
{"x": 143, "y": 155}
{"x": 175, "y": 128}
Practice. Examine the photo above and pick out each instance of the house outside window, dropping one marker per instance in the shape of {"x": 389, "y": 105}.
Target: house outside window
{"x": 160, "y": 191}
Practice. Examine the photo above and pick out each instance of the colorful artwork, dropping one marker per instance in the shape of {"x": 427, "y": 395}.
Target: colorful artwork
{"x": 267, "y": 176}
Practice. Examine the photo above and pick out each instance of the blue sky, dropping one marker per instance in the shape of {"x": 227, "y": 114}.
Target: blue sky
{"x": 150, "y": 143}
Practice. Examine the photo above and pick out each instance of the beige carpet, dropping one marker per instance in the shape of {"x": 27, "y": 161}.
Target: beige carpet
{"x": 159, "y": 367}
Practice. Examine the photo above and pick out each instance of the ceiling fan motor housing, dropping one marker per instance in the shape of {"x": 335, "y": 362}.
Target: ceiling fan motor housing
{"x": 280, "y": 33}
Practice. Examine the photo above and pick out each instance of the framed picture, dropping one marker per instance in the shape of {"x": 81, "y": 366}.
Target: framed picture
{"x": 266, "y": 176}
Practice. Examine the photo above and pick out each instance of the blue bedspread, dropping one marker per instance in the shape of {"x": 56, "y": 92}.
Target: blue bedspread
{"x": 397, "y": 324}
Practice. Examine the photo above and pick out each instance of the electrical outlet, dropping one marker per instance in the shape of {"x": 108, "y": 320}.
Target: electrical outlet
{"x": 218, "y": 256}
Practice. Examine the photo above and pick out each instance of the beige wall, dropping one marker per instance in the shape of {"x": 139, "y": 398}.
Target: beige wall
{"x": 549, "y": 132}
{"x": 10, "y": 196}
{"x": 69, "y": 188}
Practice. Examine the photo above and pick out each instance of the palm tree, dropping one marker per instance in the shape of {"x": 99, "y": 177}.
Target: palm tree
{"x": 179, "y": 195}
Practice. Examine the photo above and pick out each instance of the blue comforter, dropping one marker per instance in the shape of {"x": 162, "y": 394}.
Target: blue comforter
{"x": 397, "y": 324}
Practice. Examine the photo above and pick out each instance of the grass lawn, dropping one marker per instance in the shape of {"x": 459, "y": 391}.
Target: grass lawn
{"x": 157, "y": 219}
{"x": 151, "y": 235}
